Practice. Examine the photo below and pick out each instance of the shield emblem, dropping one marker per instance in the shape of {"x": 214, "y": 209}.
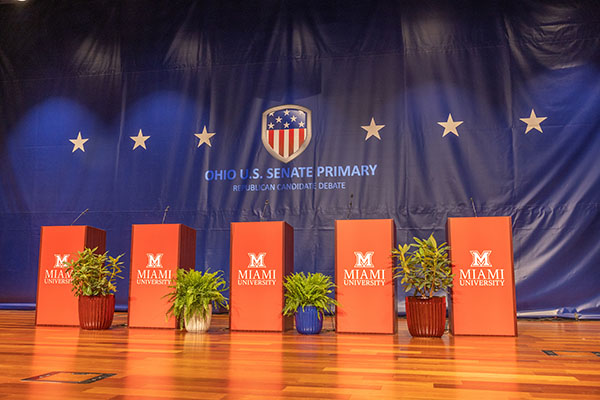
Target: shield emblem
{"x": 286, "y": 131}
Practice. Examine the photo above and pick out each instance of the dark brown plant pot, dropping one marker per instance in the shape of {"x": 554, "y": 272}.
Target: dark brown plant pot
{"x": 426, "y": 317}
{"x": 96, "y": 312}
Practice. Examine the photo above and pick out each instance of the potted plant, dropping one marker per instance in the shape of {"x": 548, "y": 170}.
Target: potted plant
{"x": 307, "y": 297}
{"x": 93, "y": 278}
{"x": 192, "y": 296}
{"x": 424, "y": 267}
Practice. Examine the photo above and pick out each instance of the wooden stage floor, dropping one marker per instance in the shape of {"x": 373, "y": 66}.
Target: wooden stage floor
{"x": 549, "y": 359}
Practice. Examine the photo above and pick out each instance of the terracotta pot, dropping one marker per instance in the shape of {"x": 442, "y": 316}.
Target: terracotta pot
{"x": 196, "y": 324}
{"x": 426, "y": 317}
{"x": 96, "y": 312}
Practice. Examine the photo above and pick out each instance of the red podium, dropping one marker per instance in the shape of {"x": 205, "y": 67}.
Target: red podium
{"x": 363, "y": 275}
{"x": 483, "y": 294}
{"x": 56, "y": 303}
{"x": 262, "y": 254}
{"x": 156, "y": 253}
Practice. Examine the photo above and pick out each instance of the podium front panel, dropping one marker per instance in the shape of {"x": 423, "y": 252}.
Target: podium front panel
{"x": 56, "y": 303}
{"x": 483, "y": 292}
{"x": 261, "y": 256}
{"x": 157, "y": 251}
{"x": 363, "y": 275}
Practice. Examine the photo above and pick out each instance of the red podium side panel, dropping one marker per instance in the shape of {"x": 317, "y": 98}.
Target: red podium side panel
{"x": 156, "y": 253}
{"x": 483, "y": 295}
{"x": 261, "y": 255}
{"x": 56, "y": 303}
{"x": 363, "y": 275}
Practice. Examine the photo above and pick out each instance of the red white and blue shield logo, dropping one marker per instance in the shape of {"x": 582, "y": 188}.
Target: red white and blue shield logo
{"x": 286, "y": 131}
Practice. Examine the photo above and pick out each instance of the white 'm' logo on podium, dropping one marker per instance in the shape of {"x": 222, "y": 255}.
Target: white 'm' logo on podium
{"x": 257, "y": 261}
{"x": 364, "y": 260}
{"x": 481, "y": 260}
{"x": 61, "y": 260}
{"x": 154, "y": 261}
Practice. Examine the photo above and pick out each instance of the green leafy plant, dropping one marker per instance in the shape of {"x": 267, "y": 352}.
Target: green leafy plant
{"x": 94, "y": 274}
{"x": 423, "y": 266}
{"x": 308, "y": 290}
{"x": 193, "y": 291}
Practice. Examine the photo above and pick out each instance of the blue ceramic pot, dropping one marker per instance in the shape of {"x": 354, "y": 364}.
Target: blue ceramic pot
{"x": 308, "y": 321}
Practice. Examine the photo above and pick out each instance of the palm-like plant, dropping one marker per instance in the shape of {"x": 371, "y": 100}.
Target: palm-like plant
{"x": 308, "y": 290}
{"x": 94, "y": 274}
{"x": 192, "y": 292}
{"x": 426, "y": 268}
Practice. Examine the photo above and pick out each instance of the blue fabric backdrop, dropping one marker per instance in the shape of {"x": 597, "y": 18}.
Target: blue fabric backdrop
{"x": 108, "y": 69}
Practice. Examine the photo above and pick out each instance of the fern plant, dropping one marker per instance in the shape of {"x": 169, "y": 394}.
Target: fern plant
{"x": 308, "y": 290}
{"x": 193, "y": 291}
{"x": 94, "y": 274}
{"x": 423, "y": 266}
